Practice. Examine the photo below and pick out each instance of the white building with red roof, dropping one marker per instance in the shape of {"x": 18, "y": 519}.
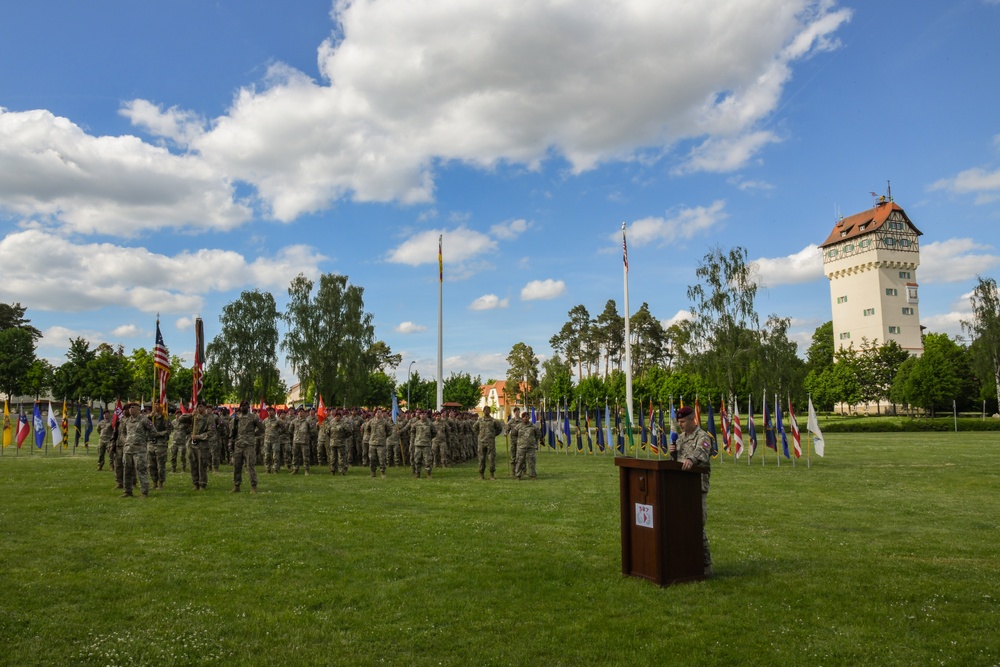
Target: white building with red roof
{"x": 871, "y": 260}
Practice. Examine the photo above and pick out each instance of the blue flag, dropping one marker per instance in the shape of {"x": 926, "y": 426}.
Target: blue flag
{"x": 600, "y": 432}
{"x": 39, "y": 427}
{"x": 711, "y": 430}
{"x": 395, "y": 408}
{"x": 781, "y": 429}
{"x": 78, "y": 423}
{"x": 769, "y": 439}
{"x": 90, "y": 428}
{"x": 752, "y": 428}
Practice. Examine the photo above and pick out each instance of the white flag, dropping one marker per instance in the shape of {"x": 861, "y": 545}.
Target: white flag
{"x": 813, "y": 426}
{"x": 54, "y": 427}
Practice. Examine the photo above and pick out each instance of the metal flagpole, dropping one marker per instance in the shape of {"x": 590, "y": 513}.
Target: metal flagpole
{"x": 628, "y": 336}
{"x": 440, "y": 362}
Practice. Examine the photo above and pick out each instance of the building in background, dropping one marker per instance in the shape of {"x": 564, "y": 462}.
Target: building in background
{"x": 871, "y": 260}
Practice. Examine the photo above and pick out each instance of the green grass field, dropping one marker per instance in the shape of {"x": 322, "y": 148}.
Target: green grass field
{"x": 887, "y": 552}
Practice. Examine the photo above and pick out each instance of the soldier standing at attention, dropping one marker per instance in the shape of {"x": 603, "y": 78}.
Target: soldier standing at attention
{"x": 341, "y": 438}
{"x": 274, "y": 429}
{"x": 134, "y": 430}
{"x": 156, "y": 449}
{"x": 487, "y": 429}
{"x": 106, "y": 431}
{"x": 246, "y": 427}
{"x": 378, "y": 431}
{"x": 527, "y": 441}
{"x": 301, "y": 429}
{"x": 694, "y": 448}
{"x": 201, "y": 433}
{"x": 178, "y": 442}
{"x": 423, "y": 432}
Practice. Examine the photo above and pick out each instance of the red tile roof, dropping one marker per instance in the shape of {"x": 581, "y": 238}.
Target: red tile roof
{"x": 871, "y": 220}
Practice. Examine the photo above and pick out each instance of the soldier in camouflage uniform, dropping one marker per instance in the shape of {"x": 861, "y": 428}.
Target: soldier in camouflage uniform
{"x": 512, "y": 423}
{"x": 274, "y": 429}
{"x": 246, "y": 427}
{"x": 287, "y": 417}
{"x": 301, "y": 429}
{"x": 156, "y": 448}
{"x": 202, "y": 428}
{"x": 487, "y": 429}
{"x": 378, "y": 431}
{"x": 439, "y": 441}
{"x": 179, "y": 437}
{"x": 694, "y": 448}
{"x": 423, "y": 432}
{"x": 340, "y": 435}
{"x": 134, "y": 430}
{"x": 105, "y": 431}
{"x": 527, "y": 435}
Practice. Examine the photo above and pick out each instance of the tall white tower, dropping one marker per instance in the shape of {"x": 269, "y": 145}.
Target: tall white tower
{"x": 871, "y": 260}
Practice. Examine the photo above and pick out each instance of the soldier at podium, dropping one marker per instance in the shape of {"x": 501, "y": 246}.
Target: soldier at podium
{"x": 694, "y": 447}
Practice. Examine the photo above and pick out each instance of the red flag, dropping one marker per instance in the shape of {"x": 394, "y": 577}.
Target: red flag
{"x": 263, "y": 408}
{"x": 199, "y": 362}
{"x": 119, "y": 413}
{"x": 23, "y": 428}
{"x": 724, "y": 424}
{"x": 796, "y": 436}
{"x": 321, "y": 410}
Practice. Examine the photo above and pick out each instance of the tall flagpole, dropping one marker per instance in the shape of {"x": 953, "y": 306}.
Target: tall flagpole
{"x": 628, "y": 336}
{"x": 440, "y": 366}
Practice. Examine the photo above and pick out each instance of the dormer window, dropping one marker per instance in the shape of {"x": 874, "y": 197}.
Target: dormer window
{"x": 862, "y": 228}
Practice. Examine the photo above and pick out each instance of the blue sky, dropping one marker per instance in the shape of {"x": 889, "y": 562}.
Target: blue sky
{"x": 163, "y": 157}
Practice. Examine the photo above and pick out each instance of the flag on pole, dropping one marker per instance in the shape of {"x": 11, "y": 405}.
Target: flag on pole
{"x": 90, "y": 428}
{"x": 161, "y": 362}
{"x": 796, "y": 436}
{"x": 724, "y": 425}
{"x": 262, "y": 413}
{"x": 199, "y": 361}
{"x": 579, "y": 430}
{"x": 54, "y": 427}
{"x": 321, "y": 410}
{"x": 8, "y": 429}
{"x": 812, "y": 425}
{"x": 600, "y": 432}
{"x": 23, "y": 427}
{"x": 552, "y": 430}
{"x": 697, "y": 411}
{"x": 770, "y": 441}
{"x": 566, "y": 426}
{"x": 395, "y": 409}
{"x": 586, "y": 419}
{"x": 118, "y": 414}
{"x": 607, "y": 424}
{"x": 642, "y": 429}
{"x": 751, "y": 427}
{"x": 781, "y": 427}
{"x": 710, "y": 429}
{"x": 78, "y": 424}
{"x": 662, "y": 444}
{"x": 39, "y": 427}
{"x": 65, "y": 423}
{"x": 737, "y": 439}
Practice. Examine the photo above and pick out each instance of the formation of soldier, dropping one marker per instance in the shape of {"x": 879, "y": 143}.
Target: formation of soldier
{"x": 139, "y": 445}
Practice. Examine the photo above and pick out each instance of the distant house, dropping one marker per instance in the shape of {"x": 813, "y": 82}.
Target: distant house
{"x": 294, "y": 396}
{"x": 495, "y": 396}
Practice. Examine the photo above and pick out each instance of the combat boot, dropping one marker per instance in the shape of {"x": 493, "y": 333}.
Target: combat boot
{"x": 253, "y": 489}
{"x": 492, "y": 476}
{"x": 481, "y": 476}
{"x": 236, "y": 488}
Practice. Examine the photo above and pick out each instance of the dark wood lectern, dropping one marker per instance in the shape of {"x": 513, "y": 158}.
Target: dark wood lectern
{"x": 661, "y": 520}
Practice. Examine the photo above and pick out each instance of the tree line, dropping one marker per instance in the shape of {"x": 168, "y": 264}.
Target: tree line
{"x": 724, "y": 351}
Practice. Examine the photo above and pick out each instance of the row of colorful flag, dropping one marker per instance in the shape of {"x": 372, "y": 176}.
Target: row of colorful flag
{"x": 561, "y": 426}
{"x": 19, "y": 430}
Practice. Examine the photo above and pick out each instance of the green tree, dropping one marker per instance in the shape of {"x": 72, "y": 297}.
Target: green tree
{"x": 329, "y": 338}
{"x": 422, "y": 393}
{"x": 463, "y": 389}
{"x": 381, "y": 387}
{"x": 111, "y": 374}
{"x": 649, "y": 342}
{"x": 819, "y": 356}
{"x": 12, "y": 317}
{"x": 984, "y": 329}
{"x": 39, "y": 378}
{"x": 17, "y": 355}
{"x": 935, "y": 378}
{"x": 609, "y": 335}
{"x": 777, "y": 363}
{"x": 245, "y": 352}
{"x": 723, "y": 310}
{"x": 72, "y": 379}
{"x": 557, "y": 380}
{"x": 522, "y": 366}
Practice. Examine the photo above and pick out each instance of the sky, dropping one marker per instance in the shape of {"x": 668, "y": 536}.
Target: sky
{"x": 161, "y": 158}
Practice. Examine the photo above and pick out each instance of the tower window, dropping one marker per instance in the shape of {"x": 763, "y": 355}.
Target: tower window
{"x": 894, "y": 330}
{"x": 845, "y": 335}
{"x": 907, "y": 310}
{"x": 904, "y": 274}
{"x": 891, "y": 291}
{"x": 888, "y": 240}
{"x": 866, "y": 243}
{"x": 842, "y": 299}
{"x": 904, "y": 243}
{"x": 869, "y": 311}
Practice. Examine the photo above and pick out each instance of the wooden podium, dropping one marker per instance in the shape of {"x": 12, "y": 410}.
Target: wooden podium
{"x": 661, "y": 520}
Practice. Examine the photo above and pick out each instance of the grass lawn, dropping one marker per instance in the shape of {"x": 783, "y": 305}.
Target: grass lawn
{"x": 887, "y": 552}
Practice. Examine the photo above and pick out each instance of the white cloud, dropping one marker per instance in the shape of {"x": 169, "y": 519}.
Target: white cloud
{"x": 984, "y": 184}
{"x": 181, "y": 127}
{"x": 509, "y": 231}
{"x": 58, "y": 337}
{"x": 682, "y": 225}
{"x": 949, "y": 323}
{"x": 127, "y": 331}
{"x": 460, "y": 249}
{"x": 52, "y": 273}
{"x": 489, "y": 302}
{"x": 184, "y": 324}
{"x": 681, "y": 316}
{"x": 802, "y": 267}
{"x": 955, "y": 260}
{"x": 58, "y": 174}
{"x": 538, "y": 290}
{"x": 724, "y": 154}
{"x": 409, "y": 328}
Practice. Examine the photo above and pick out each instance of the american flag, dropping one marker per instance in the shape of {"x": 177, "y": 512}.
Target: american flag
{"x": 199, "y": 361}
{"x": 161, "y": 362}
